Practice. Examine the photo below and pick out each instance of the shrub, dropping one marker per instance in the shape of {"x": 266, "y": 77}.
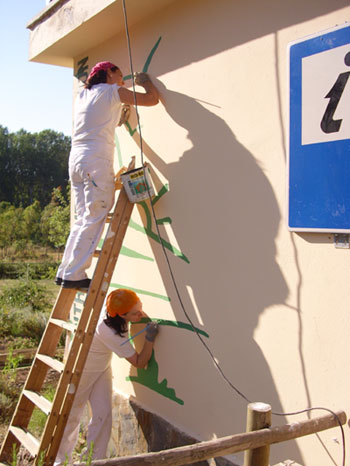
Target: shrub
{"x": 25, "y": 294}
{"x": 29, "y": 271}
{"x": 24, "y": 309}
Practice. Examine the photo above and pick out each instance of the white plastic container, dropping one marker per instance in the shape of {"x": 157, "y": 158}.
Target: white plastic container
{"x": 138, "y": 184}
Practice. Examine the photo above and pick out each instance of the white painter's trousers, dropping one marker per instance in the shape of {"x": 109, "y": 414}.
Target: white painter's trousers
{"x": 92, "y": 182}
{"x": 95, "y": 388}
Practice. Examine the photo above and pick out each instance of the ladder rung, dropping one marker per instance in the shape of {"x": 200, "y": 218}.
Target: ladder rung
{"x": 97, "y": 253}
{"x": 40, "y": 401}
{"x": 51, "y": 362}
{"x": 109, "y": 217}
{"x": 26, "y": 439}
{"x": 63, "y": 324}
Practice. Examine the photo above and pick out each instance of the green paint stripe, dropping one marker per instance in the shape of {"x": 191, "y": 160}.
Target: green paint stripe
{"x": 156, "y": 238}
{"x": 131, "y": 131}
{"x": 150, "y": 56}
{"x": 175, "y": 323}
{"x": 134, "y": 254}
{"x": 124, "y": 251}
{"x": 144, "y": 292}
{"x": 162, "y": 221}
{"x": 147, "y": 62}
{"x": 144, "y": 205}
{"x": 119, "y": 152}
{"x": 162, "y": 191}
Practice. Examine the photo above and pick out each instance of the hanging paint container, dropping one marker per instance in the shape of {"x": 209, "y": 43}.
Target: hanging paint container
{"x": 138, "y": 184}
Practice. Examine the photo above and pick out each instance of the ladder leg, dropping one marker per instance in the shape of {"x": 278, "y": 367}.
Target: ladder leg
{"x": 87, "y": 324}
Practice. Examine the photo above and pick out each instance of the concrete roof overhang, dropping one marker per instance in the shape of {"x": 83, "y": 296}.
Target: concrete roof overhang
{"x": 68, "y": 28}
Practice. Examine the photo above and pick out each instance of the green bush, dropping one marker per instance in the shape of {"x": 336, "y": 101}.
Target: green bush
{"x": 24, "y": 309}
{"x": 25, "y": 294}
{"x": 32, "y": 271}
{"x": 7, "y": 403}
{"x": 8, "y": 396}
{"x": 22, "y": 323}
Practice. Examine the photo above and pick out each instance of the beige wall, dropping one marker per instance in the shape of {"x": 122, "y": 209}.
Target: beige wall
{"x": 275, "y": 304}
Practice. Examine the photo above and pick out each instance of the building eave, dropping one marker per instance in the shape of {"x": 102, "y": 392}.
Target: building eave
{"x": 66, "y": 29}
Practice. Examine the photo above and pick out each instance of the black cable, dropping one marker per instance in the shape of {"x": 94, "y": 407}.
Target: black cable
{"x": 216, "y": 364}
{"x": 133, "y": 82}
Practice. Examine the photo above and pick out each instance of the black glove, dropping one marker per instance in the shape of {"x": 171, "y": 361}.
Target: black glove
{"x": 151, "y": 331}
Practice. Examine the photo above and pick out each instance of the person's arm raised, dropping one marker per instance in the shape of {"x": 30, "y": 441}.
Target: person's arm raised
{"x": 150, "y": 98}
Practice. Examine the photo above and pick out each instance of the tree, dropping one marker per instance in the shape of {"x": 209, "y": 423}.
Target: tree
{"x": 11, "y": 226}
{"x": 32, "y": 165}
{"x": 55, "y": 224}
{"x": 5, "y": 162}
{"x": 31, "y": 217}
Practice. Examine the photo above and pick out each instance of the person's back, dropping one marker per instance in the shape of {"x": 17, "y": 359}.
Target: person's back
{"x": 106, "y": 342}
{"x": 96, "y": 114}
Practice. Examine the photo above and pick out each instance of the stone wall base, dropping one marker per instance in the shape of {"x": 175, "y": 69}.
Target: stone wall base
{"x": 138, "y": 431}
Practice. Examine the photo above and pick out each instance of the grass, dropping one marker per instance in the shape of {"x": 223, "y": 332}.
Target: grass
{"x": 19, "y": 300}
{"x": 24, "y": 309}
{"x": 38, "y": 419}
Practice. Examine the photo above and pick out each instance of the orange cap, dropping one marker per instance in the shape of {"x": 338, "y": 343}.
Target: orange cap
{"x": 121, "y": 301}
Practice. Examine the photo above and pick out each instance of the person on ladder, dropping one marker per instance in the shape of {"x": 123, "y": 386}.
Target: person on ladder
{"x": 98, "y": 109}
{"x": 122, "y": 306}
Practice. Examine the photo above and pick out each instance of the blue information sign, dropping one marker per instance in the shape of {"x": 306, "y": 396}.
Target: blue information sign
{"x": 319, "y": 132}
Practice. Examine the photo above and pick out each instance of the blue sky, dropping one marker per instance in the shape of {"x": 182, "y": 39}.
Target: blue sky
{"x": 34, "y": 96}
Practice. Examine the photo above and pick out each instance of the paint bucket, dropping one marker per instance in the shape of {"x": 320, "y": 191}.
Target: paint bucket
{"x": 138, "y": 184}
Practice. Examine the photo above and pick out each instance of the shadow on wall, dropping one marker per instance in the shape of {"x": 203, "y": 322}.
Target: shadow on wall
{"x": 231, "y": 24}
{"x": 227, "y": 226}
{"x": 229, "y": 216}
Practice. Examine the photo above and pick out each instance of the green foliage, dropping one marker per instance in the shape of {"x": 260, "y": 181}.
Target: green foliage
{"x": 25, "y": 294}
{"x": 27, "y": 270}
{"x": 55, "y": 219}
{"x": 24, "y": 309}
{"x": 12, "y": 362}
{"x": 8, "y": 388}
{"x": 38, "y": 418}
{"x": 34, "y": 191}
{"x": 30, "y": 220}
{"x": 22, "y": 229}
{"x": 32, "y": 165}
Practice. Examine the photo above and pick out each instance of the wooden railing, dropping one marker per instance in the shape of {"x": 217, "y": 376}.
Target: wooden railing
{"x": 256, "y": 442}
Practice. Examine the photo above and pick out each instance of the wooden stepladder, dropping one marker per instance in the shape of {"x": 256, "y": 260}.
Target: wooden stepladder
{"x": 45, "y": 449}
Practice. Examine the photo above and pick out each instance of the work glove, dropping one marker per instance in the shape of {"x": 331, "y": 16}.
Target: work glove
{"x": 141, "y": 78}
{"x": 151, "y": 331}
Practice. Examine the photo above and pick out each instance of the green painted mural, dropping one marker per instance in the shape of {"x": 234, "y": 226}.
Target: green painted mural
{"x": 154, "y": 234}
{"x": 140, "y": 291}
{"x": 147, "y": 377}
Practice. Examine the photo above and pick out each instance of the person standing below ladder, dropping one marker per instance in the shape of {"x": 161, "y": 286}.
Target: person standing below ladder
{"x": 98, "y": 109}
{"x": 95, "y": 387}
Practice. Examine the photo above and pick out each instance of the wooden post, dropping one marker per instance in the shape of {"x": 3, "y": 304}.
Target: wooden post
{"x": 258, "y": 417}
